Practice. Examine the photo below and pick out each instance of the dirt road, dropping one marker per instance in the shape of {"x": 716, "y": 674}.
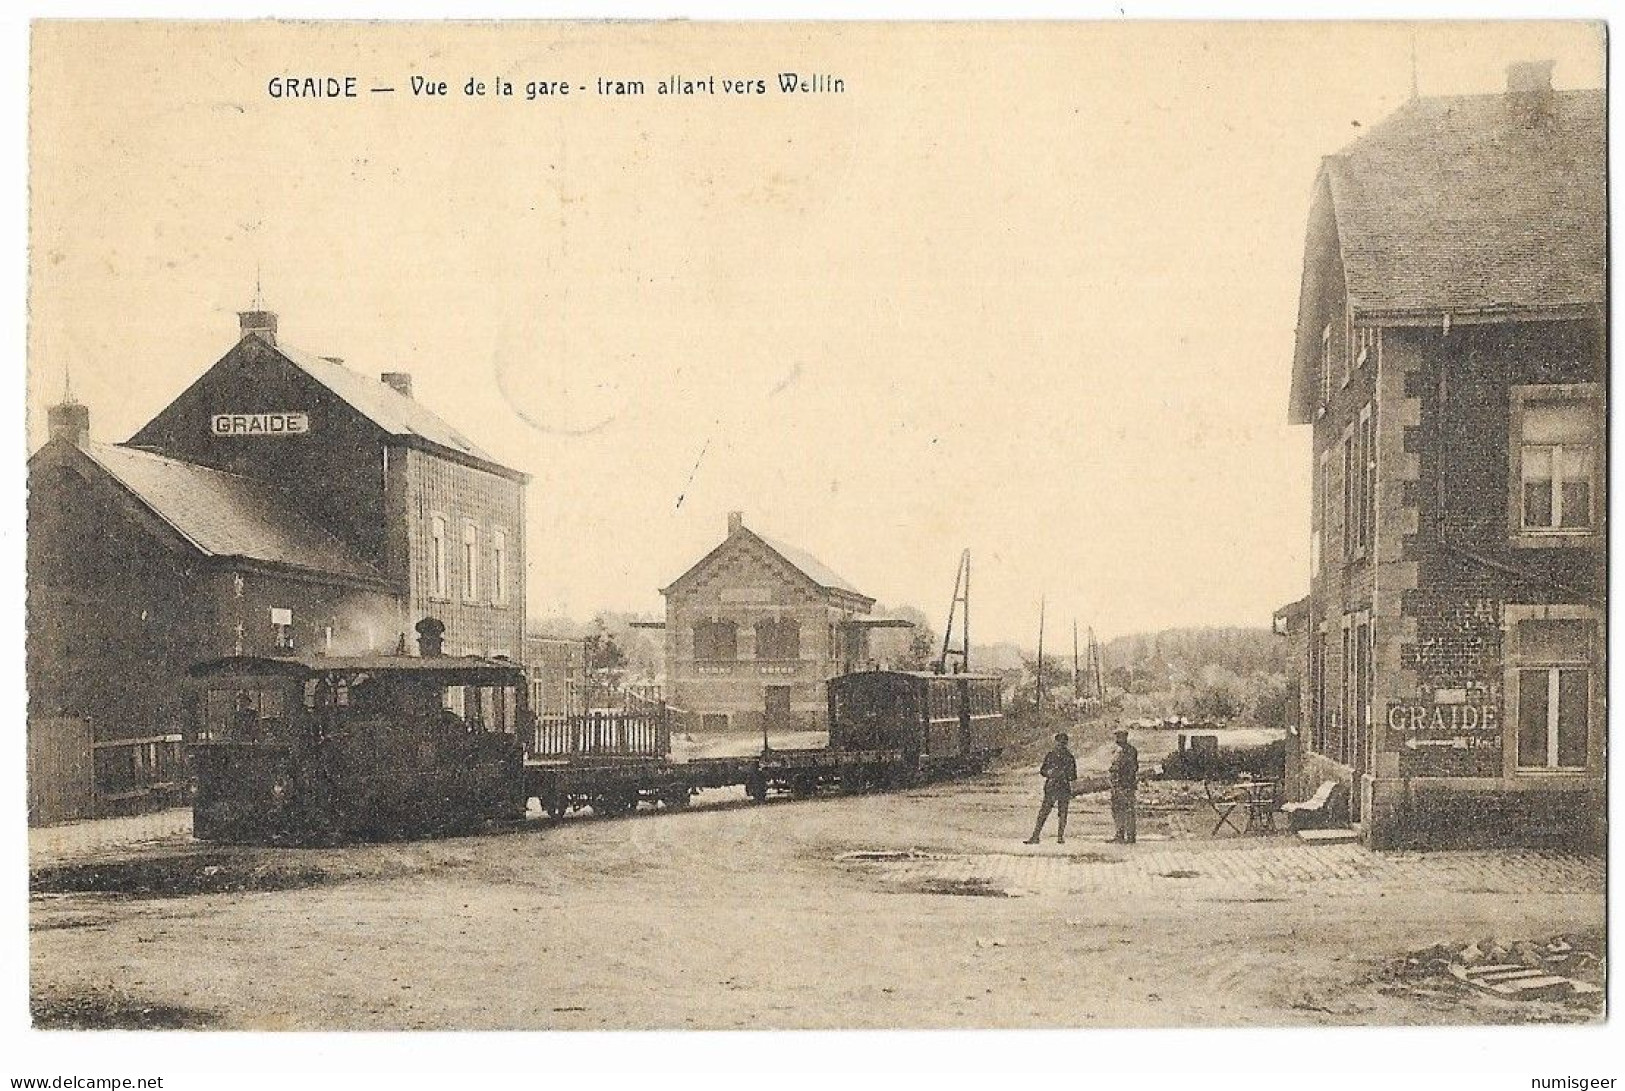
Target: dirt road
{"x": 916, "y": 909}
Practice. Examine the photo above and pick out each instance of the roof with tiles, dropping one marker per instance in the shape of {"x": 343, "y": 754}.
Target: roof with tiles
{"x": 386, "y": 407}
{"x": 226, "y": 515}
{"x": 1476, "y": 203}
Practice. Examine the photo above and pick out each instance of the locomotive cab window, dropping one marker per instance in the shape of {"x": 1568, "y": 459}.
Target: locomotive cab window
{"x": 282, "y": 629}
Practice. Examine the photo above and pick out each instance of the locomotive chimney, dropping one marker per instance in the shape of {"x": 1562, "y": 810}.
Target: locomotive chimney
{"x": 431, "y": 637}
{"x": 398, "y": 381}
{"x": 736, "y": 520}
{"x": 261, "y": 324}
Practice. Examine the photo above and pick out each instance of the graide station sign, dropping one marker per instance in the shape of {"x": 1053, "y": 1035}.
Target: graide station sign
{"x": 259, "y": 424}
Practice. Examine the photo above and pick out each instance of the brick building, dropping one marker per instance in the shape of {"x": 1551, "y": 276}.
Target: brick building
{"x": 556, "y": 668}
{"x": 1450, "y": 363}
{"x": 281, "y": 502}
{"x": 754, "y": 629}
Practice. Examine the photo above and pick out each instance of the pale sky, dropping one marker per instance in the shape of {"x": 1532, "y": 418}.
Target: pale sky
{"x": 1027, "y": 289}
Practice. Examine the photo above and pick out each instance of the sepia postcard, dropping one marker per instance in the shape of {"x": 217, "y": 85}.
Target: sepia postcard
{"x": 582, "y": 526}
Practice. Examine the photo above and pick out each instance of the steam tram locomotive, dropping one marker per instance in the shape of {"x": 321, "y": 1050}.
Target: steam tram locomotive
{"x": 325, "y": 748}
{"x": 330, "y": 748}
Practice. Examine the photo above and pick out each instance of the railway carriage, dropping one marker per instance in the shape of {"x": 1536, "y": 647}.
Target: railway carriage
{"x": 939, "y": 724}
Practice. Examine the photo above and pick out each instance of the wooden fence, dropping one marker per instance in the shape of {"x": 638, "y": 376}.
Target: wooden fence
{"x": 615, "y": 734}
{"x": 60, "y": 771}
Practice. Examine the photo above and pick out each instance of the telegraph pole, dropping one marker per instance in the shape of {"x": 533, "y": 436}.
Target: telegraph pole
{"x": 1076, "y": 692}
{"x": 961, "y": 605}
{"x": 1040, "y": 677}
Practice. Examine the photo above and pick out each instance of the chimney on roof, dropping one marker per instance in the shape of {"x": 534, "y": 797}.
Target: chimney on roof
{"x": 70, "y": 420}
{"x": 736, "y": 520}
{"x": 259, "y": 323}
{"x": 1529, "y": 90}
{"x": 431, "y": 637}
{"x": 398, "y": 381}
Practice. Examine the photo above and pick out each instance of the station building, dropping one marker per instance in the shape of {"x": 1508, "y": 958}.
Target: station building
{"x": 282, "y": 502}
{"x": 754, "y": 629}
{"x": 1450, "y": 364}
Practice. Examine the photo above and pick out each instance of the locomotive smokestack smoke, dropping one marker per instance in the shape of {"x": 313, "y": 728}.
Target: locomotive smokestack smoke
{"x": 431, "y": 637}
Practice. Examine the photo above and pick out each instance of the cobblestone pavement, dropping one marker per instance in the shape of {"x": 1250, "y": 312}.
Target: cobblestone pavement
{"x": 50, "y": 845}
{"x": 1263, "y": 868}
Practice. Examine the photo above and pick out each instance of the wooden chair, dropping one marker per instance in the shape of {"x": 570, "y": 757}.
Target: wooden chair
{"x": 1226, "y": 800}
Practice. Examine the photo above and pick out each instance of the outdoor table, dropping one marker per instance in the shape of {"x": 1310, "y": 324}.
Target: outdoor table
{"x": 1247, "y": 806}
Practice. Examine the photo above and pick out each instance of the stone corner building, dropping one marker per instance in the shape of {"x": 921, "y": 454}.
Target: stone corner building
{"x": 754, "y": 629}
{"x": 1451, "y": 364}
{"x": 281, "y": 502}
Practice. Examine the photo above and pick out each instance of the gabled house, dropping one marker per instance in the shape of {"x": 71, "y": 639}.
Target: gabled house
{"x": 282, "y": 503}
{"x": 753, "y": 630}
{"x": 1450, "y": 364}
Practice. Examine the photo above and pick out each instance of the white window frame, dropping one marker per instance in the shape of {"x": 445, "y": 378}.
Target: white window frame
{"x": 471, "y": 561}
{"x": 1326, "y": 366}
{"x": 437, "y": 557}
{"x": 1515, "y": 663}
{"x": 1365, "y": 344}
{"x": 1522, "y": 536}
{"x": 1365, "y": 437}
{"x": 499, "y": 566}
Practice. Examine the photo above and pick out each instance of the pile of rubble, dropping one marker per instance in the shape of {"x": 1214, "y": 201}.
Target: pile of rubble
{"x": 1566, "y": 966}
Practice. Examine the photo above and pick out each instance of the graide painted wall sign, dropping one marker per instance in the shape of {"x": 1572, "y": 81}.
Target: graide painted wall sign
{"x": 259, "y": 424}
{"x": 1452, "y": 726}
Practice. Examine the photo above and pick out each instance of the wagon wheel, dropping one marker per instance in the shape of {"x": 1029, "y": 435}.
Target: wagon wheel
{"x": 803, "y": 786}
{"x": 612, "y": 804}
{"x": 756, "y": 788}
{"x": 556, "y": 808}
{"x": 675, "y": 796}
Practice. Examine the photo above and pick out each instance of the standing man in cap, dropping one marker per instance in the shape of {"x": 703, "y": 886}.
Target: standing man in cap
{"x": 1125, "y": 778}
{"x": 1059, "y": 770}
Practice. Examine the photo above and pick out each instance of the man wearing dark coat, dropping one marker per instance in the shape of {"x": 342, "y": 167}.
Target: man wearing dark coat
{"x": 1125, "y": 776}
{"x": 1059, "y": 770}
